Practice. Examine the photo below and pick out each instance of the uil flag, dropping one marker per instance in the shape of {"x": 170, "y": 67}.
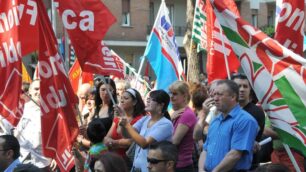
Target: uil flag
{"x": 59, "y": 127}
{"x": 277, "y": 75}
{"x": 162, "y": 51}
{"x": 289, "y": 30}
{"x": 18, "y": 18}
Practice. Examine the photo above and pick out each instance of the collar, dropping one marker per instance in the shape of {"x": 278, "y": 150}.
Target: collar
{"x": 233, "y": 113}
{"x": 12, "y": 165}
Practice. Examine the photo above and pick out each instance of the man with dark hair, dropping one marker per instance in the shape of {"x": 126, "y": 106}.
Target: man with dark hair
{"x": 9, "y": 153}
{"x": 162, "y": 156}
{"x": 245, "y": 101}
{"x": 231, "y": 134}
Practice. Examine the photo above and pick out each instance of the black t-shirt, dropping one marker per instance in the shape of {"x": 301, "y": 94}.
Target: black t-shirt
{"x": 259, "y": 115}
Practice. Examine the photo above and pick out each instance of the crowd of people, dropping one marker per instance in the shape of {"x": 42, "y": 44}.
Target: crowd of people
{"x": 195, "y": 126}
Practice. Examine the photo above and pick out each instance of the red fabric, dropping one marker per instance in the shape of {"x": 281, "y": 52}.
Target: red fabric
{"x": 14, "y": 44}
{"x": 289, "y": 29}
{"x": 58, "y": 123}
{"x": 281, "y": 157}
{"x": 86, "y": 29}
{"x": 117, "y": 136}
{"x": 216, "y": 66}
{"x": 77, "y": 77}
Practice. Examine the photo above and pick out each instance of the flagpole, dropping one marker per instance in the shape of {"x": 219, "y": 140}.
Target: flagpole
{"x": 224, "y": 55}
{"x": 297, "y": 168}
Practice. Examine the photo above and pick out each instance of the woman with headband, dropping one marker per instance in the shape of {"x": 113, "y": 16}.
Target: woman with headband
{"x": 134, "y": 108}
{"x": 149, "y": 129}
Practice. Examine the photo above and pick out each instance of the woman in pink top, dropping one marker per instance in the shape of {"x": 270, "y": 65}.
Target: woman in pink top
{"x": 184, "y": 120}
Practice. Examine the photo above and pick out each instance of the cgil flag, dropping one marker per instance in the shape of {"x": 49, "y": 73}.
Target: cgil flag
{"x": 277, "y": 75}
{"x": 199, "y": 34}
{"x": 162, "y": 50}
{"x": 289, "y": 30}
{"x": 221, "y": 59}
{"x": 59, "y": 127}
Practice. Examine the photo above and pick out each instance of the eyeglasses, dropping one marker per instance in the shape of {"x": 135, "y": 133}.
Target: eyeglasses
{"x": 155, "y": 161}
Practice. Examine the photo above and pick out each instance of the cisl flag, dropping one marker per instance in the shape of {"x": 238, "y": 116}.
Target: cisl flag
{"x": 17, "y": 19}
{"x": 87, "y": 21}
{"x": 58, "y": 102}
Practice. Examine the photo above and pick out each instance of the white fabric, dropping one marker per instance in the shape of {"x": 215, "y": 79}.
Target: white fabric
{"x": 7, "y": 127}
{"x": 28, "y": 133}
{"x": 211, "y": 115}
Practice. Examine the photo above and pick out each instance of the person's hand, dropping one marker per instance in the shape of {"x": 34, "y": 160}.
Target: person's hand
{"x": 207, "y": 104}
{"x": 53, "y": 165}
{"x": 123, "y": 122}
{"x": 119, "y": 110}
{"x": 256, "y": 147}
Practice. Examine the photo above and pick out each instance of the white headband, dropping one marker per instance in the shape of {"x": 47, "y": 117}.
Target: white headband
{"x": 131, "y": 91}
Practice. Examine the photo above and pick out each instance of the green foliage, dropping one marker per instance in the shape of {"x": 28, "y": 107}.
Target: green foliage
{"x": 269, "y": 30}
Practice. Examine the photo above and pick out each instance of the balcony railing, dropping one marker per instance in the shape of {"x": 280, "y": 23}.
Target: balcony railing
{"x": 178, "y": 30}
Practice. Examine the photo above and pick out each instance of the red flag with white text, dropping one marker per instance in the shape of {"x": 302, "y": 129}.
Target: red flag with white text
{"x": 87, "y": 22}
{"x": 289, "y": 30}
{"x": 218, "y": 46}
{"x": 58, "y": 102}
{"x": 17, "y": 19}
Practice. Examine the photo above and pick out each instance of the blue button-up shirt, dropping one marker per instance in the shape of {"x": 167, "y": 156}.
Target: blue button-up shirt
{"x": 12, "y": 166}
{"x": 237, "y": 131}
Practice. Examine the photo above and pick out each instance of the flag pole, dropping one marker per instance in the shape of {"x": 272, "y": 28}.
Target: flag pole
{"x": 224, "y": 55}
{"x": 297, "y": 168}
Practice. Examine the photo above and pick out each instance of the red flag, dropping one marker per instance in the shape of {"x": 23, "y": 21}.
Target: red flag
{"x": 216, "y": 64}
{"x": 77, "y": 77}
{"x": 15, "y": 43}
{"x": 289, "y": 29}
{"x": 58, "y": 102}
{"x": 87, "y": 21}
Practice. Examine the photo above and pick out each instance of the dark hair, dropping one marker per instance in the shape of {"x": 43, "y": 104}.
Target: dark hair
{"x": 139, "y": 107}
{"x": 198, "y": 95}
{"x": 11, "y": 143}
{"x": 161, "y": 96}
{"x": 98, "y": 100}
{"x": 168, "y": 149}
{"x": 96, "y": 131}
{"x": 26, "y": 168}
{"x": 232, "y": 86}
{"x": 112, "y": 162}
{"x": 238, "y": 76}
{"x": 272, "y": 168}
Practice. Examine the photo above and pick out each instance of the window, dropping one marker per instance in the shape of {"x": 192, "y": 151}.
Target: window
{"x": 152, "y": 18}
{"x": 126, "y": 18}
{"x": 254, "y": 20}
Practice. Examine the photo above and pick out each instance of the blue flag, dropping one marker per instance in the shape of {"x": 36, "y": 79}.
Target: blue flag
{"x": 162, "y": 51}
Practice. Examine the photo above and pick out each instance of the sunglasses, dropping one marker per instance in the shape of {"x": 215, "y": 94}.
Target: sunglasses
{"x": 155, "y": 161}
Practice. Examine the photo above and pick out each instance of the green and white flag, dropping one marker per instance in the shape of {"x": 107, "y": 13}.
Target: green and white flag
{"x": 277, "y": 75}
{"x": 199, "y": 35}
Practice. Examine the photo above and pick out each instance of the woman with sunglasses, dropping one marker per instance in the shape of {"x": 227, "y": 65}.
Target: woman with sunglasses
{"x": 134, "y": 108}
{"x": 149, "y": 129}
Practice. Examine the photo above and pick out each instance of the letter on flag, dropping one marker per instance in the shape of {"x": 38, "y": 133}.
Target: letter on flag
{"x": 87, "y": 21}
{"x": 162, "y": 51}
{"x": 15, "y": 42}
{"x": 289, "y": 30}
{"x": 58, "y": 102}
{"x": 219, "y": 50}
{"x": 277, "y": 75}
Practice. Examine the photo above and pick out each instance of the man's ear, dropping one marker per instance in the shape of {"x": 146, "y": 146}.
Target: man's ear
{"x": 10, "y": 153}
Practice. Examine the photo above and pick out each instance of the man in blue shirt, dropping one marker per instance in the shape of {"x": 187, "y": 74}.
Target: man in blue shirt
{"x": 9, "y": 153}
{"x": 231, "y": 134}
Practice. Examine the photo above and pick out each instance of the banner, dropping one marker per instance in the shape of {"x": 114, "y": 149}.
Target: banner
{"x": 289, "y": 28}
{"x": 277, "y": 75}
{"x": 58, "y": 102}
{"x": 18, "y": 18}
{"x": 199, "y": 34}
{"x": 162, "y": 51}
{"x": 221, "y": 59}
{"x": 87, "y": 21}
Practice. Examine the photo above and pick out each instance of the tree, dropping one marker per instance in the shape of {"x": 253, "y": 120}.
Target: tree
{"x": 193, "y": 68}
